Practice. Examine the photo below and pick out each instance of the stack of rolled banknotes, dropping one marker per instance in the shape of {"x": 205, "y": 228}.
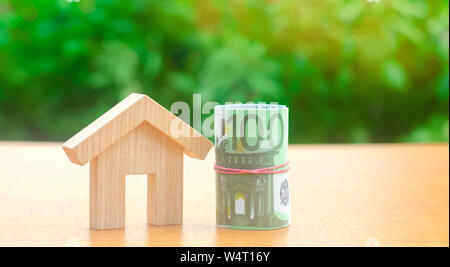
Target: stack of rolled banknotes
{"x": 252, "y": 185}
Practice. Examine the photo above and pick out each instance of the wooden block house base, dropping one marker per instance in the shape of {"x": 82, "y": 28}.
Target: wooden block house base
{"x": 107, "y": 203}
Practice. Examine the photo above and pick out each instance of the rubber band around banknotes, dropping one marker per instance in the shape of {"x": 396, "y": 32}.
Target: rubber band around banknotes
{"x": 268, "y": 170}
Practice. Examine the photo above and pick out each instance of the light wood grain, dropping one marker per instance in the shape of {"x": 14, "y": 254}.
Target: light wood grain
{"x": 342, "y": 195}
{"x": 148, "y": 151}
{"x": 137, "y": 136}
{"x": 106, "y": 196}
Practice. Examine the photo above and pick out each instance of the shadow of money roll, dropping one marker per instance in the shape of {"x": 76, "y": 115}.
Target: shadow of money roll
{"x": 252, "y": 185}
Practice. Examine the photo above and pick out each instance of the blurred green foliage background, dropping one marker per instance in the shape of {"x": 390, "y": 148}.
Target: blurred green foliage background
{"x": 350, "y": 71}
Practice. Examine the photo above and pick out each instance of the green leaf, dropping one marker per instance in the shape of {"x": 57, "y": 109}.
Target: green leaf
{"x": 394, "y": 75}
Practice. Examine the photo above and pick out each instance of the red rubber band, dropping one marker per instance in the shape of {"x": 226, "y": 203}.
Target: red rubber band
{"x": 268, "y": 170}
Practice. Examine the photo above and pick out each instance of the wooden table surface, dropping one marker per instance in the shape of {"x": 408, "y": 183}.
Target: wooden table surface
{"x": 342, "y": 195}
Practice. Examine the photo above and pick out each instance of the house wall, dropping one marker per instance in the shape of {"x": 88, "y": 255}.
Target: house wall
{"x": 145, "y": 150}
{"x": 142, "y": 151}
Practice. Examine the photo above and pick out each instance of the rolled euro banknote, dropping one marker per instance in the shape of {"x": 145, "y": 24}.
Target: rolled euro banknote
{"x": 252, "y": 185}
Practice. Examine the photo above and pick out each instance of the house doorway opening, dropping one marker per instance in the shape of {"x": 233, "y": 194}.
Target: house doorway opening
{"x": 135, "y": 200}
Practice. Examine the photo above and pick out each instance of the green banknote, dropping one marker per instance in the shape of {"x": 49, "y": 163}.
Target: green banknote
{"x": 250, "y": 137}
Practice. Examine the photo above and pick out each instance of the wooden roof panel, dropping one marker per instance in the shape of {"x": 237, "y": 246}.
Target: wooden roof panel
{"x": 123, "y": 118}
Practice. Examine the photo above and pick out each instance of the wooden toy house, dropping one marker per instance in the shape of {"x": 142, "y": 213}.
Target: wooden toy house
{"x": 136, "y": 136}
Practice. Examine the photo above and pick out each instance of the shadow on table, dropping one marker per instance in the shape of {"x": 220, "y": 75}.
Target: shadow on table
{"x": 188, "y": 235}
{"x": 260, "y": 238}
{"x": 107, "y": 238}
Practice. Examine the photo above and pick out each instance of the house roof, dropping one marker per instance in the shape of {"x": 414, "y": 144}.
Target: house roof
{"x": 123, "y": 118}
